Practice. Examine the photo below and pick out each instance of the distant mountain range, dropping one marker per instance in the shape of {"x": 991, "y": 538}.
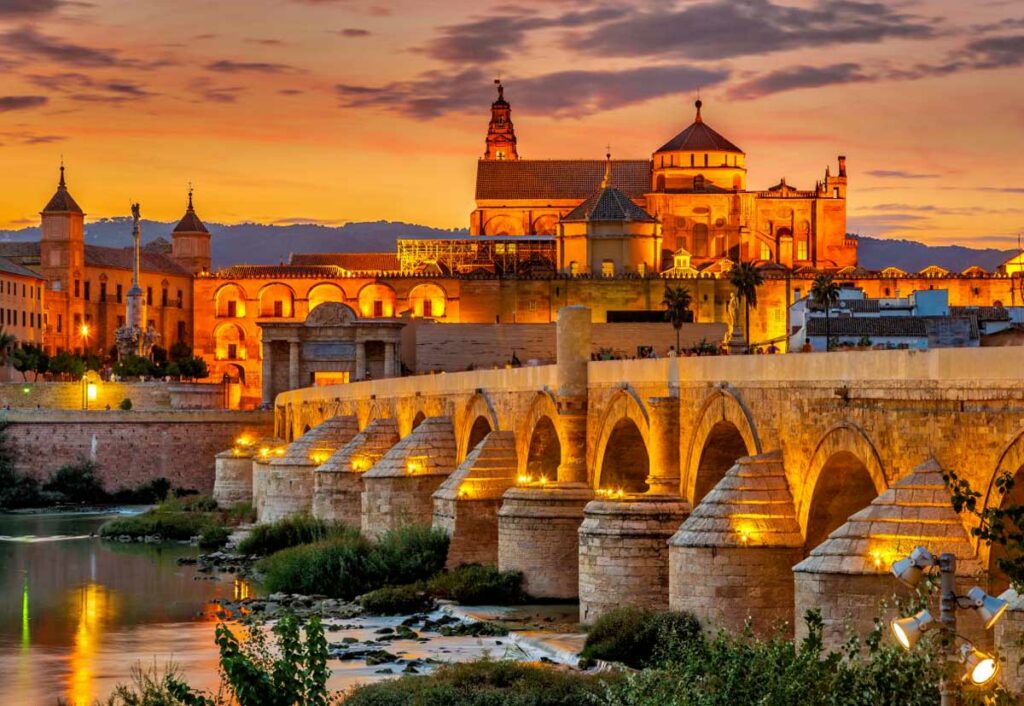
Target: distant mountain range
{"x": 259, "y": 244}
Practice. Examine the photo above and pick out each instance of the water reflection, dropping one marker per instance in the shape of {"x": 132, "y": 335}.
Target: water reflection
{"x": 96, "y": 606}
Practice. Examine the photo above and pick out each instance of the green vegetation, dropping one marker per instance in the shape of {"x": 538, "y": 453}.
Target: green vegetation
{"x": 290, "y": 532}
{"x": 637, "y": 637}
{"x": 30, "y": 359}
{"x": 347, "y": 565}
{"x": 476, "y": 584}
{"x": 488, "y": 683}
{"x": 396, "y": 600}
{"x": 677, "y": 304}
{"x": 179, "y": 519}
{"x": 745, "y": 279}
{"x": 125, "y": 405}
{"x": 77, "y": 483}
{"x": 181, "y": 364}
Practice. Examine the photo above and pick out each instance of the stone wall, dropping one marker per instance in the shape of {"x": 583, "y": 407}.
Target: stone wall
{"x": 428, "y": 346}
{"x": 131, "y": 448}
{"x": 68, "y": 395}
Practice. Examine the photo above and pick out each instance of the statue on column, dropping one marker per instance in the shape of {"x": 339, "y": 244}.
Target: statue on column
{"x": 135, "y": 337}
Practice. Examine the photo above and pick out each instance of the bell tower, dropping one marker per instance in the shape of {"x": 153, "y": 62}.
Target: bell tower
{"x": 191, "y": 241}
{"x": 501, "y": 135}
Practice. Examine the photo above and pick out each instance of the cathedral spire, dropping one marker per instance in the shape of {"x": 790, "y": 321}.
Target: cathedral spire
{"x": 699, "y": 104}
{"x": 501, "y": 135}
{"x": 607, "y": 181}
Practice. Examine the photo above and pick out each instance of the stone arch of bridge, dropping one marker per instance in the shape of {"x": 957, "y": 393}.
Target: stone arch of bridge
{"x": 844, "y": 475}
{"x": 368, "y": 414}
{"x": 1010, "y": 461}
{"x": 723, "y": 433}
{"x": 538, "y": 439}
{"x": 620, "y": 457}
{"x": 479, "y": 419}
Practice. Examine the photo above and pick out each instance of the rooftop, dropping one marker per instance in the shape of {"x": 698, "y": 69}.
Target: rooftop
{"x": 698, "y": 137}
{"x": 558, "y": 179}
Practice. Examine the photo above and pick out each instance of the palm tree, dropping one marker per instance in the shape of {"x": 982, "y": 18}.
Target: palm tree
{"x": 7, "y": 343}
{"x": 677, "y": 303}
{"x": 746, "y": 279}
{"x": 825, "y": 293}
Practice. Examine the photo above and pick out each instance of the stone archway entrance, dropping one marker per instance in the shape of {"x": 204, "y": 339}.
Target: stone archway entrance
{"x": 723, "y": 447}
{"x": 417, "y": 420}
{"x": 481, "y": 428}
{"x": 545, "y": 450}
{"x": 844, "y": 487}
{"x": 626, "y": 463}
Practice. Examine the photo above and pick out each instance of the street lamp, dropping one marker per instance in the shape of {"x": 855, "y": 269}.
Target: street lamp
{"x": 979, "y": 667}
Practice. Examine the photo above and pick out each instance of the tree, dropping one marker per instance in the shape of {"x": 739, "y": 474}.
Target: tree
{"x": 745, "y": 278}
{"x": 825, "y": 293}
{"x": 998, "y": 522}
{"x": 65, "y": 363}
{"x": 7, "y": 343}
{"x": 677, "y": 303}
{"x": 30, "y": 358}
{"x": 193, "y": 368}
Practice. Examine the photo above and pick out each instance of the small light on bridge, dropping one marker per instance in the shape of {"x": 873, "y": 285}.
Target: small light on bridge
{"x": 524, "y": 479}
{"x": 279, "y": 451}
{"x": 319, "y": 457}
{"x": 361, "y": 464}
{"x": 415, "y": 465}
{"x": 244, "y": 440}
{"x": 464, "y": 493}
{"x": 264, "y": 452}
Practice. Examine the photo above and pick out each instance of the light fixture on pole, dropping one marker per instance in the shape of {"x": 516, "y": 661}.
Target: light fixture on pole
{"x": 978, "y": 668}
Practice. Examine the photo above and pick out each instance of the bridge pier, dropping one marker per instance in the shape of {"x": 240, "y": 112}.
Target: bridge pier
{"x": 399, "y": 489}
{"x": 288, "y": 479}
{"x": 663, "y": 446}
{"x": 338, "y": 483}
{"x": 731, "y": 560}
{"x": 624, "y": 553}
{"x": 847, "y": 576}
{"x": 466, "y": 505}
{"x": 232, "y": 481}
{"x": 538, "y": 535}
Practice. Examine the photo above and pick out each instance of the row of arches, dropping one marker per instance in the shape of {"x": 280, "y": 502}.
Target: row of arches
{"x": 373, "y": 300}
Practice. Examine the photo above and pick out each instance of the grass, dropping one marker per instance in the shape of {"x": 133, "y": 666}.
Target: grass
{"x": 267, "y": 539}
{"x": 179, "y": 519}
{"x": 346, "y": 565}
{"x": 397, "y": 600}
{"x": 487, "y": 683}
{"x": 476, "y": 584}
{"x": 634, "y": 636}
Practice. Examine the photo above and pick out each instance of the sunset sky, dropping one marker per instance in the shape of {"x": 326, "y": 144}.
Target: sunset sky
{"x": 284, "y": 111}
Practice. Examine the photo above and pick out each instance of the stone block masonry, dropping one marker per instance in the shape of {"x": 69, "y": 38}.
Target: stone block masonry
{"x": 130, "y": 448}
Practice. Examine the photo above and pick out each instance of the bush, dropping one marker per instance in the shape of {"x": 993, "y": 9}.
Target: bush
{"x": 638, "y": 637}
{"x": 409, "y": 554}
{"x": 290, "y": 532}
{"x": 475, "y": 584}
{"x": 134, "y": 366}
{"x": 126, "y": 405}
{"x": 170, "y": 525}
{"x": 334, "y": 567}
{"x": 214, "y": 537}
{"x": 487, "y": 683}
{"x": 397, "y": 600}
{"x": 77, "y": 483}
{"x": 241, "y": 513}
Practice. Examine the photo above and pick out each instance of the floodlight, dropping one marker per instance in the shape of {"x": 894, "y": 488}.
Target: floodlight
{"x": 990, "y": 609}
{"x": 981, "y": 668}
{"x": 908, "y": 631}
{"x": 910, "y": 569}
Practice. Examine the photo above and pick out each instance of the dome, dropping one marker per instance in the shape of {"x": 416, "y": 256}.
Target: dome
{"x": 698, "y": 137}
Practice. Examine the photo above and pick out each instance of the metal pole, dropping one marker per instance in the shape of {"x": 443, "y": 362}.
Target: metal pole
{"x": 948, "y": 688}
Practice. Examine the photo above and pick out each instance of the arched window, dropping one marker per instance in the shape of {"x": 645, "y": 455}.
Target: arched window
{"x": 698, "y": 182}
{"x": 700, "y": 240}
{"x": 427, "y": 300}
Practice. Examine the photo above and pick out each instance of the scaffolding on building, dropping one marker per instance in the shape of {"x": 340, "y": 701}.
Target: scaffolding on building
{"x": 515, "y": 255}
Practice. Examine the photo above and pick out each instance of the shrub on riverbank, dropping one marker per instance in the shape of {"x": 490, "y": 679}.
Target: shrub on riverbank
{"x": 290, "y": 532}
{"x": 178, "y": 519}
{"x": 397, "y": 600}
{"x": 477, "y": 584}
{"x": 347, "y": 565}
{"x": 638, "y": 637}
{"x": 486, "y": 683}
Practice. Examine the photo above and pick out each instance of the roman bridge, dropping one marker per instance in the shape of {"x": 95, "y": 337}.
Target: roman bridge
{"x": 789, "y": 480}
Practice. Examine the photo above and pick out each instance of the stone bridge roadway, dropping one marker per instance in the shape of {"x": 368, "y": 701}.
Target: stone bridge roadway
{"x": 583, "y": 474}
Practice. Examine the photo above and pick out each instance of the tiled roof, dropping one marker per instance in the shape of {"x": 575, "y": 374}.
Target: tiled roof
{"x": 983, "y": 313}
{"x": 351, "y": 261}
{"x": 12, "y": 268}
{"x": 62, "y": 201}
{"x": 558, "y": 179}
{"x": 369, "y": 446}
{"x": 609, "y": 204}
{"x": 699, "y": 138}
{"x": 123, "y": 259}
{"x": 431, "y": 445}
{"x": 325, "y": 438}
{"x": 278, "y": 272}
{"x": 750, "y": 506}
{"x": 190, "y": 223}
{"x": 20, "y": 250}
{"x": 914, "y": 512}
{"x": 868, "y": 326}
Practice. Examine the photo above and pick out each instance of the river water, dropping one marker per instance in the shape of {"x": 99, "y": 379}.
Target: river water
{"x": 77, "y": 613}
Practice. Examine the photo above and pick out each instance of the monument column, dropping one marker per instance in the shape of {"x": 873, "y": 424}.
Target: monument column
{"x": 360, "y": 360}
{"x": 663, "y": 446}
{"x": 573, "y": 344}
{"x": 293, "y": 365}
{"x": 389, "y": 359}
{"x": 268, "y": 372}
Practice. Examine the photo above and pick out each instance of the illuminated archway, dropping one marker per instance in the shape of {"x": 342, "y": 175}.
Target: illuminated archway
{"x": 722, "y": 423}
{"x": 502, "y": 225}
{"x": 428, "y": 300}
{"x": 229, "y": 301}
{"x": 477, "y": 432}
{"x": 277, "y": 300}
{"x": 844, "y": 475}
{"x": 478, "y": 419}
{"x": 376, "y": 301}
{"x": 323, "y": 293}
{"x": 229, "y": 342}
{"x": 417, "y": 420}
{"x": 544, "y": 452}
{"x": 625, "y": 465}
